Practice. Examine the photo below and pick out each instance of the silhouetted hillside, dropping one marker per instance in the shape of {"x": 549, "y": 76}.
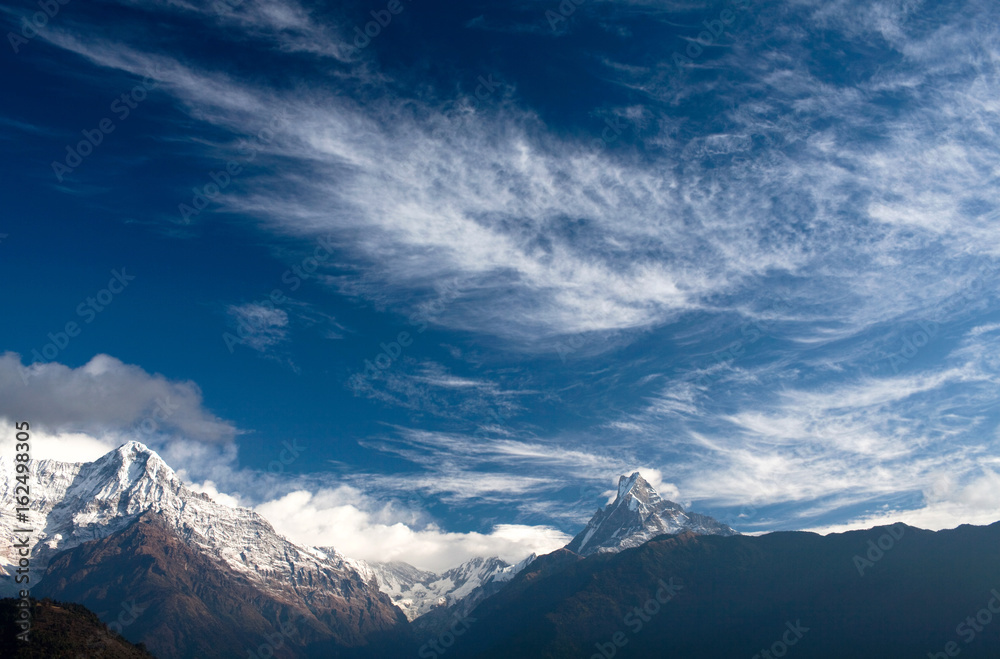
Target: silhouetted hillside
{"x": 62, "y": 630}
{"x": 712, "y": 596}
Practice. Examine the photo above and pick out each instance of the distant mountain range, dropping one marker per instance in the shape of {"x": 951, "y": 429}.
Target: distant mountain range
{"x": 430, "y": 600}
{"x": 419, "y": 593}
{"x": 188, "y": 577}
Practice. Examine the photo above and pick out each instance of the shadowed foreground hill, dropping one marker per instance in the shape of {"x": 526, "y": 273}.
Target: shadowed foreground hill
{"x": 61, "y": 630}
{"x": 802, "y": 594}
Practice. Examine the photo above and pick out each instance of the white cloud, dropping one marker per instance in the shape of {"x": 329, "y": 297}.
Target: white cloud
{"x": 548, "y": 236}
{"x": 258, "y": 326}
{"x": 285, "y": 22}
{"x": 344, "y": 517}
{"x": 64, "y": 446}
{"x": 209, "y": 488}
{"x": 545, "y": 236}
{"x": 946, "y": 505}
{"x": 816, "y": 451}
{"x": 105, "y": 396}
{"x": 358, "y": 527}
{"x": 516, "y": 472}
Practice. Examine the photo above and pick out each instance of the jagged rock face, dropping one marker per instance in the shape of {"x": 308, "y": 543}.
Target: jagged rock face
{"x": 74, "y": 504}
{"x": 637, "y": 515}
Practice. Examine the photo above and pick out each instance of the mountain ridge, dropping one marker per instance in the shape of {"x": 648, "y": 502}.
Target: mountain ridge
{"x": 718, "y": 597}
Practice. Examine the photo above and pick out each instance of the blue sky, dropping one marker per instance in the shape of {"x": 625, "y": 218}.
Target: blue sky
{"x": 477, "y": 268}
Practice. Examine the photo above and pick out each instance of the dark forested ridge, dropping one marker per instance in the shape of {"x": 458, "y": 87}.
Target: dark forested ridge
{"x": 885, "y": 592}
{"x": 62, "y": 630}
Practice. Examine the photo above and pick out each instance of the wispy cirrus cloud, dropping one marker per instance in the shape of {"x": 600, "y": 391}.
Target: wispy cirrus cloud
{"x": 848, "y": 163}
{"x": 575, "y": 240}
{"x": 531, "y": 475}
{"x": 259, "y": 327}
{"x": 815, "y": 450}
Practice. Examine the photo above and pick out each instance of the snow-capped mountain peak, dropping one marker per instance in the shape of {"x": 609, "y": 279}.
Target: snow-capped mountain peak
{"x": 636, "y": 488}
{"x": 134, "y": 461}
{"x": 128, "y": 480}
{"x": 73, "y": 503}
{"x": 638, "y": 514}
{"x": 127, "y": 516}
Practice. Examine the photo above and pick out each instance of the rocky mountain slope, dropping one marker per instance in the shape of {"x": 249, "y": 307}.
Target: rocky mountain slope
{"x": 130, "y": 496}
